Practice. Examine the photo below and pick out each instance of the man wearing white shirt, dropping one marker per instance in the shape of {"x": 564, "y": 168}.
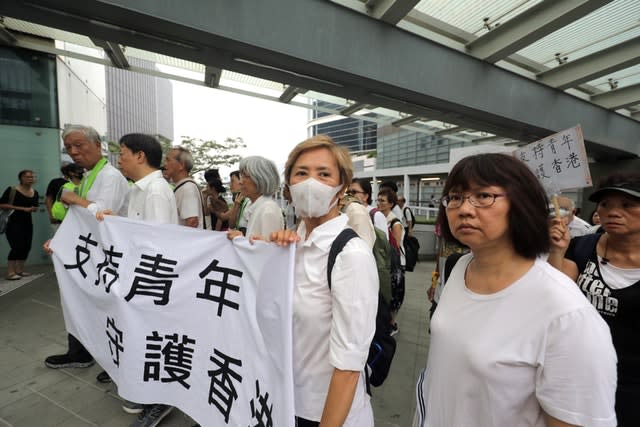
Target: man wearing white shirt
{"x": 577, "y": 226}
{"x": 178, "y": 164}
{"x": 102, "y": 187}
{"x": 150, "y": 199}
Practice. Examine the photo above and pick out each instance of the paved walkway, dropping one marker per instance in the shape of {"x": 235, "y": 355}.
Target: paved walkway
{"x": 31, "y": 395}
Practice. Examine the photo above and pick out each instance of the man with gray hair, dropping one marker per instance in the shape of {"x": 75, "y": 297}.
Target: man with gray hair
{"x": 577, "y": 227}
{"x": 102, "y": 187}
{"x": 178, "y": 163}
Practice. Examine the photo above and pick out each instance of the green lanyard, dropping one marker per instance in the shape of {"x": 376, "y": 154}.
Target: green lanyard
{"x": 241, "y": 211}
{"x": 88, "y": 180}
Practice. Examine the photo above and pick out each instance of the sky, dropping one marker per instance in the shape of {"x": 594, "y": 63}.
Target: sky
{"x": 269, "y": 129}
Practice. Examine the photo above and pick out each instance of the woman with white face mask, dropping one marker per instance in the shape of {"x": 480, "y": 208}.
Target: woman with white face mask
{"x": 332, "y": 327}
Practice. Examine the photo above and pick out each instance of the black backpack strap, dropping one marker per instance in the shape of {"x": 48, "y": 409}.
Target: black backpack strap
{"x": 581, "y": 248}
{"x": 336, "y": 247}
{"x": 449, "y": 264}
{"x": 404, "y": 212}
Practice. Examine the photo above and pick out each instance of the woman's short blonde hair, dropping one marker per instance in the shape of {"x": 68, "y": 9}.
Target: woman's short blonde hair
{"x": 322, "y": 141}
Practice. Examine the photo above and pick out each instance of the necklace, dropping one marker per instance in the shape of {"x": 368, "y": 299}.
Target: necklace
{"x": 605, "y": 260}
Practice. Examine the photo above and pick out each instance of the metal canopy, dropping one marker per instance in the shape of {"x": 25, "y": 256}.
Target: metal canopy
{"x": 530, "y": 26}
{"x": 348, "y": 54}
{"x": 596, "y": 65}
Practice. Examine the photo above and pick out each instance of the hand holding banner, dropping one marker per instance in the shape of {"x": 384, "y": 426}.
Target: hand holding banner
{"x": 182, "y": 316}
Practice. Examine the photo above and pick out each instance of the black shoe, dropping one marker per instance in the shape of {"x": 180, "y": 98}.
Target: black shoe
{"x": 68, "y": 361}
{"x": 152, "y": 415}
{"x": 103, "y": 378}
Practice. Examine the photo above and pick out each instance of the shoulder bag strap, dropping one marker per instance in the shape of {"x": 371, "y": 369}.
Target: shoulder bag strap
{"x": 204, "y": 216}
{"x": 12, "y": 195}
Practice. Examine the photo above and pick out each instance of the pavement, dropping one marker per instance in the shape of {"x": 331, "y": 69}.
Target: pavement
{"x": 32, "y": 395}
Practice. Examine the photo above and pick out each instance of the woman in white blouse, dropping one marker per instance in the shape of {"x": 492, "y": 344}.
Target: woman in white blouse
{"x": 259, "y": 180}
{"x": 332, "y": 327}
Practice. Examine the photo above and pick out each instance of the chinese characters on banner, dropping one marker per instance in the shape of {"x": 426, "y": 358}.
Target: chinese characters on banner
{"x": 559, "y": 161}
{"x": 182, "y": 316}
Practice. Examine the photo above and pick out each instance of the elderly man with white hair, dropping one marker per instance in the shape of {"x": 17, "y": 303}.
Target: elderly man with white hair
{"x": 177, "y": 165}
{"x": 577, "y": 226}
{"x": 259, "y": 180}
{"x": 102, "y": 187}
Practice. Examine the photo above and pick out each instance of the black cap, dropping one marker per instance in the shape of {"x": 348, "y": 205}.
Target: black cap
{"x": 633, "y": 189}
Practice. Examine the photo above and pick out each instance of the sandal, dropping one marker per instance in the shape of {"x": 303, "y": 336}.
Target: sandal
{"x": 14, "y": 277}
{"x": 23, "y": 274}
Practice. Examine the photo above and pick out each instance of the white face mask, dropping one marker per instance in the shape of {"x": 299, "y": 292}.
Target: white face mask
{"x": 313, "y": 199}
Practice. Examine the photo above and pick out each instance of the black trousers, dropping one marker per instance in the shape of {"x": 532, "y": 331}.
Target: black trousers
{"x": 19, "y": 236}
{"x": 77, "y": 349}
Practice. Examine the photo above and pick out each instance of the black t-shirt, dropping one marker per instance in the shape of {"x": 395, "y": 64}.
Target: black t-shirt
{"x": 54, "y": 187}
{"x": 20, "y": 217}
{"x": 620, "y": 308}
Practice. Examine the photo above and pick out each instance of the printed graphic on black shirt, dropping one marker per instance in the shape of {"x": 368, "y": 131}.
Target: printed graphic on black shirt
{"x": 596, "y": 291}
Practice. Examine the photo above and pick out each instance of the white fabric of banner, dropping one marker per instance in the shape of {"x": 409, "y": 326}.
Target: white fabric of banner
{"x": 182, "y": 316}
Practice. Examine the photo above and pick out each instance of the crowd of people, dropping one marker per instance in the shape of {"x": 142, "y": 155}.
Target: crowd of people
{"x": 333, "y": 325}
{"x": 514, "y": 341}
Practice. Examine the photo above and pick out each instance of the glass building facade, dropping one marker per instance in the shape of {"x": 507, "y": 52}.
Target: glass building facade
{"x": 408, "y": 148}
{"x": 29, "y": 132}
{"x": 353, "y": 134}
{"x": 28, "y": 93}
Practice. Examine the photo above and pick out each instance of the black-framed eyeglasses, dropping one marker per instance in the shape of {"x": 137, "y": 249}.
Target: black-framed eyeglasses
{"x": 351, "y": 192}
{"x": 480, "y": 199}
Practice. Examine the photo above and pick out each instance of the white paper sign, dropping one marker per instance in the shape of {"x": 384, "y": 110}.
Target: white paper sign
{"x": 559, "y": 161}
{"x": 182, "y": 316}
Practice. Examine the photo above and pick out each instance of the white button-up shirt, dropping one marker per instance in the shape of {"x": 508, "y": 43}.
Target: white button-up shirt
{"x": 264, "y": 216}
{"x": 151, "y": 199}
{"x": 110, "y": 190}
{"x": 332, "y": 328}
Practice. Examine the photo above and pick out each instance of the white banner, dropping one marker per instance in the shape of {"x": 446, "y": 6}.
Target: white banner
{"x": 182, "y": 316}
{"x": 559, "y": 161}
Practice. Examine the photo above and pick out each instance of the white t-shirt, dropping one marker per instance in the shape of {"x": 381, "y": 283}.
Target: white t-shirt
{"x": 264, "y": 216}
{"x": 406, "y": 217}
{"x": 391, "y": 217}
{"x": 110, "y": 190}
{"x": 397, "y": 211}
{"x": 504, "y": 358}
{"x": 332, "y": 328}
{"x": 151, "y": 199}
{"x": 379, "y": 221}
{"x": 188, "y": 200}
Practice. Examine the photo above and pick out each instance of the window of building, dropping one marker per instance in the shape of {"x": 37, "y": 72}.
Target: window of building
{"x": 28, "y": 88}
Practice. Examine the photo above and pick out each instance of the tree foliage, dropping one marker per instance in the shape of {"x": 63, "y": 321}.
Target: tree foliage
{"x": 212, "y": 154}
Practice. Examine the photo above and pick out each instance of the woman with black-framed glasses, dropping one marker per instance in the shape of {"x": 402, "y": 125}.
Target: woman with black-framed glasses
{"x": 512, "y": 341}
{"x": 360, "y": 188}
